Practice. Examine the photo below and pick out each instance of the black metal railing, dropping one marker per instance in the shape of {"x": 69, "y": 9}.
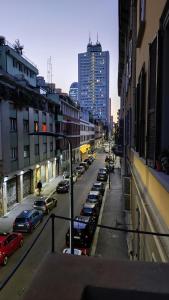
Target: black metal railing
{"x": 53, "y": 217}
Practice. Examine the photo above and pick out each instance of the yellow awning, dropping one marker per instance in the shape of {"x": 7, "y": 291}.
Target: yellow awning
{"x": 84, "y": 148}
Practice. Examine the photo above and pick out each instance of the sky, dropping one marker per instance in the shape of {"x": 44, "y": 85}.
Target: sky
{"x": 60, "y": 29}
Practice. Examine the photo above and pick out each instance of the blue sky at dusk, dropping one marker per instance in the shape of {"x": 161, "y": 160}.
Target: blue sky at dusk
{"x": 60, "y": 29}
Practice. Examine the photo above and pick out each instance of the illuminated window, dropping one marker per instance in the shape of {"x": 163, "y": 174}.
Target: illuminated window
{"x": 44, "y": 127}
{"x": 36, "y": 126}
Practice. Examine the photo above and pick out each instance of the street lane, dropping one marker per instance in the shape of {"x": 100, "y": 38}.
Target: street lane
{"x": 19, "y": 283}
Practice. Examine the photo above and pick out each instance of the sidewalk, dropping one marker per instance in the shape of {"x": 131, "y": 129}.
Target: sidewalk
{"x": 6, "y": 221}
{"x": 108, "y": 243}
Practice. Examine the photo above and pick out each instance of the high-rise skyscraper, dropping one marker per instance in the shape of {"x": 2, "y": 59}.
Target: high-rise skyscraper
{"x": 73, "y": 92}
{"x": 93, "y": 79}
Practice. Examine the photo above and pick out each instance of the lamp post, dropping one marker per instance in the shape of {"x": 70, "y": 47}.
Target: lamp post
{"x": 71, "y": 180}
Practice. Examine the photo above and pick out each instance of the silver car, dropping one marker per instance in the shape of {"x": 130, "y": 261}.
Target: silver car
{"x": 45, "y": 204}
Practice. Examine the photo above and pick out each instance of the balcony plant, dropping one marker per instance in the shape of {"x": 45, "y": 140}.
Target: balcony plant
{"x": 164, "y": 159}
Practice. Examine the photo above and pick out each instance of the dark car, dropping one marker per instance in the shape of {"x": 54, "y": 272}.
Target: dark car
{"x": 82, "y": 232}
{"x": 94, "y": 197}
{"x": 45, "y": 204}
{"x": 84, "y": 164}
{"x": 80, "y": 170}
{"x": 88, "y": 161}
{"x": 98, "y": 186}
{"x": 90, "y": 209}
{"x": 9, "y": 243}
{"x": 63, "y": 186}
{"x": 28, "y": 220}
{"x": 102, "y": 175}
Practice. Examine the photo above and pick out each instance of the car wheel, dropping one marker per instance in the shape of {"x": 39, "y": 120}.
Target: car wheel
{"x": 21, "y": 243}
{"x": 5, "y": 260}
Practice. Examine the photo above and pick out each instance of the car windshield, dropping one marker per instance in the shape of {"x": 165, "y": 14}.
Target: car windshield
{"x": 102, "y": 171}
{"x": 21, "y": 220}
{"x": 92, "y": 197}
{"x": 87, "y": 210}
{"x": 62, "y": 183}
{"x": 39, "y": 203}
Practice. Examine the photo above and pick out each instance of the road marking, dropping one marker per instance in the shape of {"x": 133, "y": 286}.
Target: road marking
{"x": 95, "y": 239}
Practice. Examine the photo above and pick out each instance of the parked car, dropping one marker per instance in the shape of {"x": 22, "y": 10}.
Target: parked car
{"x": 63, "y": 186}
{"x": 80, "y": 169}
{"x": 98, "y": 186}
{"x": 45, "y": 204}
{"x": 84, "y": 164}
{"x": 94, "y": 197}
{"x": 66, "y": 176}
{"x": 88, "y": 161}
{"x": 27, "y": 220}
{"x": 82, "y": 232}
{"x": 102, "y": 175}
{"x": 90, "y": 209}
{"x": 9, "y": 243}
{"x": 76, "y": 251}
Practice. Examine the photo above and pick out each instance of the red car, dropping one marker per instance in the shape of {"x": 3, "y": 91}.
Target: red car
{"x": 9, "y": 243}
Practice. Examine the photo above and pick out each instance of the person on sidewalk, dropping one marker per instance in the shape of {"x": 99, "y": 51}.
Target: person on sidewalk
{"x": 39, "y": 186}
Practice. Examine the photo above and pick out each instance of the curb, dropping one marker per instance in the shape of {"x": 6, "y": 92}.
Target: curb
{"x": 95, "y": 238}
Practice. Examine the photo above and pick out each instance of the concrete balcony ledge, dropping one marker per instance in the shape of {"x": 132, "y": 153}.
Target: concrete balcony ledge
{"x": 69, "y": 277}
{"x": 161, "y": 177}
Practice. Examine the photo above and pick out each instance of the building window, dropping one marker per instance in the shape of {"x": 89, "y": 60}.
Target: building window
{"x": 140, "y": 114}
{"x": 141, "y": 25}
{"x": 26, "y": 151}
{"x": 36, "y": 149}
{"x": 51, "y": 147}
{"x": 36, "y": 127}
{"x": 13, "y": 124}
{"x": 13, "y": 153}
{"x": 51, "y": 127}
{"x": 25, "y": 125}
{"x": 44, "y": 127}
{"x": 45, "y": 148}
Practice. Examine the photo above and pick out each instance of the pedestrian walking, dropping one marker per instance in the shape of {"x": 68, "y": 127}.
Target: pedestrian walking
{"x": 39, "y": 186}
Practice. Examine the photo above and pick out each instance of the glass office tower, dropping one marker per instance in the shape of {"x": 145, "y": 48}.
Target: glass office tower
{"x": 93, "y": 79}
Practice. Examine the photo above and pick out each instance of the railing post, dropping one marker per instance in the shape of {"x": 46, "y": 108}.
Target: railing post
{"x": 53, "y": 232}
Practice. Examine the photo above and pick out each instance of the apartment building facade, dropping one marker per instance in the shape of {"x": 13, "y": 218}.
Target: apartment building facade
{"x": 143, "y": 91}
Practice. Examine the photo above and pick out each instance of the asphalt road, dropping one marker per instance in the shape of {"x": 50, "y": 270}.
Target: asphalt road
{"x": 20, "y": 281}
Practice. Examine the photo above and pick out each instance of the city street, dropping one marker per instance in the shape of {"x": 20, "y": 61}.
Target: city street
{"x": 20, "y": 281}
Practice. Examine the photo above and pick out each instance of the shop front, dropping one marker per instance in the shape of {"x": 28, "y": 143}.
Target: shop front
{"x": 26, "y": 184}
{"x": 50, "y": 170}
{"x": 43, "y": 174}
{"x": 11, "y": 192}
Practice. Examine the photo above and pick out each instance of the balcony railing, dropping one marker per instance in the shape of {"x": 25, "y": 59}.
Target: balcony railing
{"x": 52, "y": 217}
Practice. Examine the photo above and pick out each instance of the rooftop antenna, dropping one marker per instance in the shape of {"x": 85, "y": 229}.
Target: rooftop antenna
{"x": 90, "y": 42}
{"x": 97, "y": 38}
{"x": 49, "y": 70}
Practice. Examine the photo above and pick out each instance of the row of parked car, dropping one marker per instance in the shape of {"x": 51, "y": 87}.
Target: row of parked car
{"x": 29, "y": 219}
{"x": 63, "y": 186}
{"x": 84, "y": 225}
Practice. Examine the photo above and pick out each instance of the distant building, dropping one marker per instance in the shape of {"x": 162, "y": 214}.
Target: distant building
{"x": 93, "y": 79}
{"x": 13, "y": 62}
{"x": 73, "y": 92}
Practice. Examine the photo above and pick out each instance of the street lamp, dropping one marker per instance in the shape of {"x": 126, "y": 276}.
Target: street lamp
{"x": 71, "y": 180}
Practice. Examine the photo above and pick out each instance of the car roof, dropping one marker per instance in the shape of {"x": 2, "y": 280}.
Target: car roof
{"x": 94, "y": 193}
{"x": 97, "y": 184}
{"x": 89, "y": 205}
{"x": 78, "y": 225}
{"x": 26, "y": 213}
{"x": 76, "y": 251}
